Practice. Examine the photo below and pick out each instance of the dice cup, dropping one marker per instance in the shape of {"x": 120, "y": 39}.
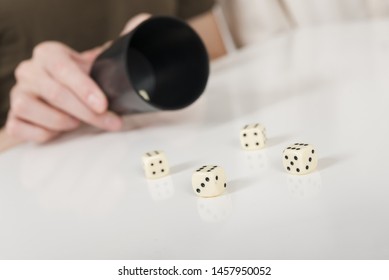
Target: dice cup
{"x": 161, "y": 65}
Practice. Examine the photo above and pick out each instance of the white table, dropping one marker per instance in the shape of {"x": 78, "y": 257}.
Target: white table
{"x": 85, "y": 196}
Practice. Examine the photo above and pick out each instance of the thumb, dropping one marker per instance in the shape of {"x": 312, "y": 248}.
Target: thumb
{"x": 134, "y": 22}
{"x": 92, "y": 54}
{"x": 87, "y": 57}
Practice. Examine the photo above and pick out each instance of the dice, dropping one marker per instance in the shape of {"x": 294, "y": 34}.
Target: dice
{"x": 253, "y": 137}
{"x": 209, "y": 181}
{"x": 155, "y": 165}
{"x": 299, "y": 159}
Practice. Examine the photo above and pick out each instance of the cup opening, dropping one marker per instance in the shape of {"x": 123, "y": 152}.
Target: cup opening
{"x": 167, "y": 63}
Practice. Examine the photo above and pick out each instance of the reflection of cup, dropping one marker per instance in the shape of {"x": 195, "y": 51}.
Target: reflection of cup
{"x": 215, "y": 209}
{"x": 304, "y": 187}
{"x": 161, "y": 65}
{"x": 161, "y": 188}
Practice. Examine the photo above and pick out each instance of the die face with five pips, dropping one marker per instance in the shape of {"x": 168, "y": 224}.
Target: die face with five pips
{"x": 155, "y": 165}
{"x": 299, "y": 159}
{"x": 253, "y": 137}
{"x": 209, "y": 181}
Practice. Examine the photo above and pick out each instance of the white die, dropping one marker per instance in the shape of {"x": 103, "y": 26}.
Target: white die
{"x": 209, "y": 181}
{"x": 155, "y": 164}
{"x": 253, "y": 137}
{"x": 299, "y": 159}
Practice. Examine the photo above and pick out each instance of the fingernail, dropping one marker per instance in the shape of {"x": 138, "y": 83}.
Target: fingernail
{"x": 95, "y": 102}
{"x": 112, "y": 122}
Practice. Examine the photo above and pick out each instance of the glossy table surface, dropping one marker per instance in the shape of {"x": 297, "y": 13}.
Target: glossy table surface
{"x": 85, "y": 195}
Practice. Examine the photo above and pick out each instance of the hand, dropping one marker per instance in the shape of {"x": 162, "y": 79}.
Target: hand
{"x": 54, "y": 93}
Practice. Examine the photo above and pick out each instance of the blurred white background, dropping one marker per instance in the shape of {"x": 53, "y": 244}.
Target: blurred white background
{"x": 251, "y": 21}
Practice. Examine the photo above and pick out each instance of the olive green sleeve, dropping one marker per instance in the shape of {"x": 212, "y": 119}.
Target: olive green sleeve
{"x": 5, "y": 86}
{"x": 189, "y": 8}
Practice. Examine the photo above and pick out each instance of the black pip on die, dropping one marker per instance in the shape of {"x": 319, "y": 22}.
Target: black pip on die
{"x": 253, "y": 137}
{"x": 299, "y": 159}
{"x": 209, "y": 181}
{"x": 155, "y": 164}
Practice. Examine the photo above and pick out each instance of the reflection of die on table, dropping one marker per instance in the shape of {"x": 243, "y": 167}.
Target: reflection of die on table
{"x": 253, "y": 137}
{"x": 304, "y": 187}
{"x": 155, "y": 165}
{"x": 215, "y": 210}
{"x": 299, "y": 159}
{"x": 255, "y": 161}
{"x": 209, "y": 181}
{"x": 161, "y": 189}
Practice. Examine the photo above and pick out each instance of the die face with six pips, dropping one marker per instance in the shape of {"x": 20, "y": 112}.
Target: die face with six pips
{"x": 299, "y": 159}
{"x": 209, "y": 181}
{"x": 155, "y": 165}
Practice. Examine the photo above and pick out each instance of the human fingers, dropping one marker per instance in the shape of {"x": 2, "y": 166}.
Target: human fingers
{"x": 27, "y": 107}
{"x": 43, "y": 86}
{"x": 25, "y": 131}
{"x": 58, "y": 61}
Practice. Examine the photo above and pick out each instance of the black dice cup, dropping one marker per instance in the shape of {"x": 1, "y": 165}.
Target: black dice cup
{"x": 161, "y": 65}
